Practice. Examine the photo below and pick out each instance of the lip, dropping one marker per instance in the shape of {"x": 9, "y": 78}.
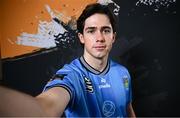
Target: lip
{"x": 100, "y": 47}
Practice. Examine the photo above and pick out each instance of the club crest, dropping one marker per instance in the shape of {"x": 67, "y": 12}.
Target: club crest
{"x": 126, "y": 82}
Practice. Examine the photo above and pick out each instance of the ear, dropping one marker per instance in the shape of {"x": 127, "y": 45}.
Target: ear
{"x": 81, "y": 38}
{"x": 114, "y": 37}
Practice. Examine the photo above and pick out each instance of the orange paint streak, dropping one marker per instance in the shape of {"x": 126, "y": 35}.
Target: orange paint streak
{"x": 23, "y": 16}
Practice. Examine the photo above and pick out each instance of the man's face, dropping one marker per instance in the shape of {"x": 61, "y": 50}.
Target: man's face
{"x": 97, "y": 36}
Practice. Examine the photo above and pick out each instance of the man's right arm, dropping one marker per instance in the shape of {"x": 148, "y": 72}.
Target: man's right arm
{"x": 49, "y": 103}
{"x": 54, "y": 101}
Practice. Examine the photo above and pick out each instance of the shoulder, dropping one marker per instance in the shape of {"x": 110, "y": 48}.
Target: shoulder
{"x": 70, "y": 69}
{"x": 118, "y": 66}
{"x": 119, "y": 70}
{"x": 65, "y": 77}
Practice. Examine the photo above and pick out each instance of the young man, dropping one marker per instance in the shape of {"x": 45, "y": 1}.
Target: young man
{"x": 92, "y": 85}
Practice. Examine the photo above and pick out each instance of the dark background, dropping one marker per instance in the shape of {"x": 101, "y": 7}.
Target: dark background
{"x": 147, "y": 44}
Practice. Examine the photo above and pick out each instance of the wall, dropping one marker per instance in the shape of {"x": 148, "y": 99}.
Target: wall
{"x": 26, "y": 22}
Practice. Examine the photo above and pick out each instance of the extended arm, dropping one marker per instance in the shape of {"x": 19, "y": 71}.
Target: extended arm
{"x": 54, "y": 101}
{"x": 49, "y": 103}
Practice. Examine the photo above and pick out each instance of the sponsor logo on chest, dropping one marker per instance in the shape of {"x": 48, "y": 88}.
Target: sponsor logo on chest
{"x": 104, "y": 84}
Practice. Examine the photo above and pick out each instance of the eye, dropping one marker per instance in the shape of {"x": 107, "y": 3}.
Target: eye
{"x": 107, "y": 30}
{"x": 90, "y": 31}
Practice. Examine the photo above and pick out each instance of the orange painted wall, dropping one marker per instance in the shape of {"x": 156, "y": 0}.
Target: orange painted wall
{"x": 19, "y": 16}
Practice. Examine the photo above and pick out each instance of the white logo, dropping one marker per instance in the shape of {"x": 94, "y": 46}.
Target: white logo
{"x": 89, "y": 86}
{"x": 104, "y": 84}
{"x": 103, "y": 80}
{"x": 108, "y": 108}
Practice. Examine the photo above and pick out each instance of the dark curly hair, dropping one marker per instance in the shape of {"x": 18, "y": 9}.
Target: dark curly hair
{"x": 92, "y": 9}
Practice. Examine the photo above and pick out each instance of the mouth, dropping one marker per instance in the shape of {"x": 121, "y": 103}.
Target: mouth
{"x": 100, "y": 48}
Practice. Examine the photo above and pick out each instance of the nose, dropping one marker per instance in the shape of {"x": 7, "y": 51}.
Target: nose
{"x": 100, "y": 37}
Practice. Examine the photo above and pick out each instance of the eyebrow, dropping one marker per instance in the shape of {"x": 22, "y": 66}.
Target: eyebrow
{"x": 106, "y": 27}
{"x": 103, "y": 27}
{"x": 89, "y": 28}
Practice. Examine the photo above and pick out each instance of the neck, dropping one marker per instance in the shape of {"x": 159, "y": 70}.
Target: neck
{"x": 97, "y": 63}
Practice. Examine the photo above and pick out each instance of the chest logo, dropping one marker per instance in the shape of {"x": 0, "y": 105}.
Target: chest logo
{"x": 104, "y": 84}
{"x": 108, "y": 108}
{"x": 103, "y": 80}
{"x": 88, "y": 83}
